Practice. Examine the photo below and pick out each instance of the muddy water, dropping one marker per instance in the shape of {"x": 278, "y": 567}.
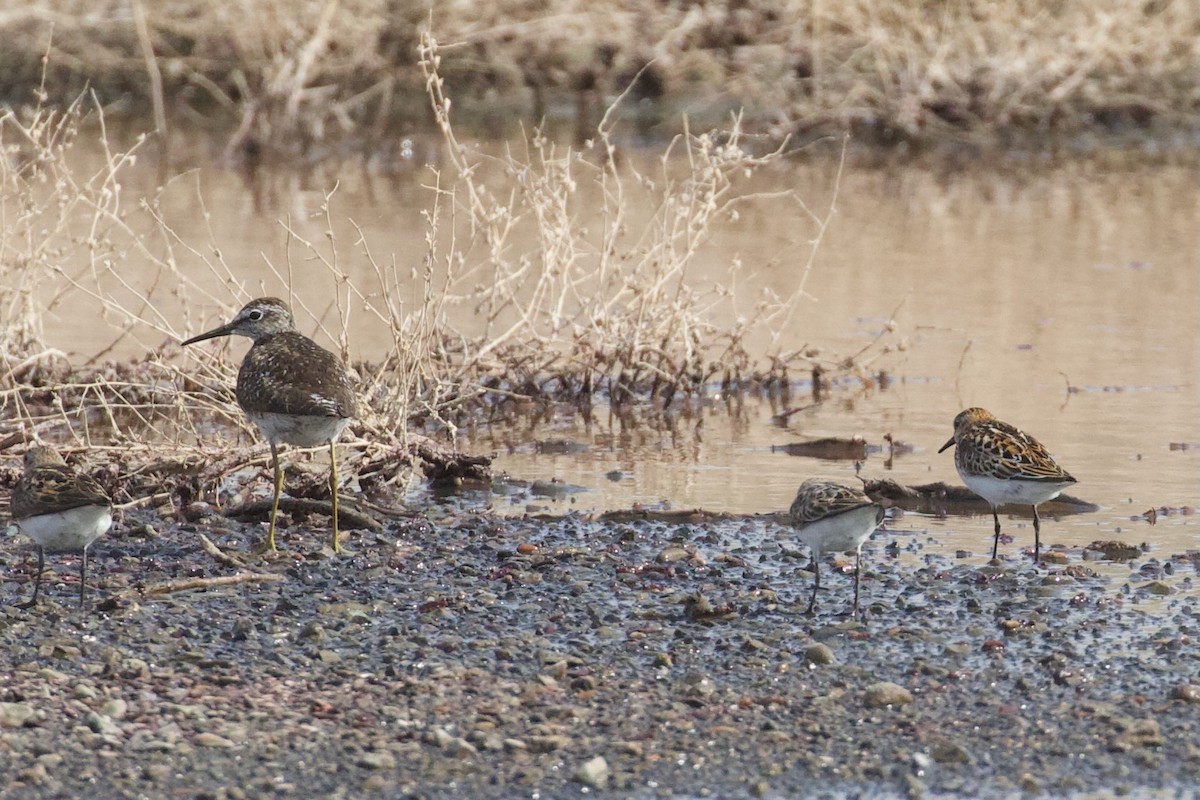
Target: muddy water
{"x": 1066, "y": 299}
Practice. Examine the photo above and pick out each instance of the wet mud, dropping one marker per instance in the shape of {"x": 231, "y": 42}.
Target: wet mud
{"x": 460, "y": 653}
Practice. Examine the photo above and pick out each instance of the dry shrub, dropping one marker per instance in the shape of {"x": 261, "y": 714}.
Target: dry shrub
{"x": 538, "y": 282}
{"x": 580, "y": 296}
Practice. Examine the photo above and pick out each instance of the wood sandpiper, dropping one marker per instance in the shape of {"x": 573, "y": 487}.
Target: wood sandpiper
{"x": 295, "y": 391}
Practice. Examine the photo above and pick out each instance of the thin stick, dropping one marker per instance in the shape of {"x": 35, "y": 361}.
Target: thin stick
{"x": 191, "y": 584}
{"x": 219, "y": 554}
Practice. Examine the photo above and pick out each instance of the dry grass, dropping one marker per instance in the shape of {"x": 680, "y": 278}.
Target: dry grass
{"x": 576, "y": 297}
{"x": 291, "y": 78}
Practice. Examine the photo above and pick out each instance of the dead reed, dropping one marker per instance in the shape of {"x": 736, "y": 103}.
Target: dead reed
{"x": 571, "y": 297}
{"x": 290, "y": 78}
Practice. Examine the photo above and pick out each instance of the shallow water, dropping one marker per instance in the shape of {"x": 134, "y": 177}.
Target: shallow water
{"x": 1062, "y": 297}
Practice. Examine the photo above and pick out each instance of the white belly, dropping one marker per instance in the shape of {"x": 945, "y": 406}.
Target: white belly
{"x": 1000, "y": 492}
{"x": 844, "y": 533}
{"x": 65, "y": 531}
{"x": 298, "y": 430}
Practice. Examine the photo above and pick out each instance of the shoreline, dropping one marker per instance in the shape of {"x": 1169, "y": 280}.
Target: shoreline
{"x": 460, "y": 653}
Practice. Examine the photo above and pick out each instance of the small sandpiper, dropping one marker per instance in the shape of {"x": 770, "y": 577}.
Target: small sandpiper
{"x": 1005, "y": 465}
{"x": 294, "y": 390}
{"x": 62, "y": 510}
{"x": 832, "y": 518}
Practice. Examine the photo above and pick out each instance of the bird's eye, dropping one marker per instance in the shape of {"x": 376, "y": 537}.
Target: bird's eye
{"x": 256, "y": 314}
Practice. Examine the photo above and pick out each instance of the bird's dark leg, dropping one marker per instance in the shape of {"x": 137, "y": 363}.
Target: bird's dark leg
{"x": 1037, "y": 538}
{"x": 83, "y": 580}
{"x": 812, "y": 602}
{"x": 996, "y": 541}
{"x": 333, "y": 488}
{"x": 857, "y": 566}
{"x": 37, "y": 582}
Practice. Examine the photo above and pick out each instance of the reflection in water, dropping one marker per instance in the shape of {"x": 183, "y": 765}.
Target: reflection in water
{"x": 1065, "y": 299}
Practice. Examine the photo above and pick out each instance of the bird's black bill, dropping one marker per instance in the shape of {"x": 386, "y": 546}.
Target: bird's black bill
{"x": 224, "y": 330}
{"x": 940, "y": 449}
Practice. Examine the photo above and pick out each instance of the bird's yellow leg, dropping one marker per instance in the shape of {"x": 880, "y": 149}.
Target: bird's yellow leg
{"x": 270, "y": 547}
{"x": 333, "y": 488}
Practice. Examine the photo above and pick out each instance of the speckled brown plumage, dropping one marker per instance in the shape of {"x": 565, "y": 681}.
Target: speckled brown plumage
{"x": 817, "y": 500}
{"x": 1004, "y": 465}
{"x": 830, "y": 517}
{"x": 288, "y": 373}
{"x": 988, "y": 447}
{"x": 48, "y": 486}
{"x": 60, "y": 509}
{"x": 291, "y": 388}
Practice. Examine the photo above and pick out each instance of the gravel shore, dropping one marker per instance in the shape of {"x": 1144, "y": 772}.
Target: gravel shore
{"x": 465, "y": 654}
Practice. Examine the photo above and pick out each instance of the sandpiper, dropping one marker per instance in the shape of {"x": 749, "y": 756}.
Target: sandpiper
{"x": 294, "y": 390}
{"x": 833, "y": 518}
{"x": 60, "y": 509}
{"x": 1005, "y": 465}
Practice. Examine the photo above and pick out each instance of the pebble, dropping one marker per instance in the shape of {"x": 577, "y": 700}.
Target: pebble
{"x": 593, "y": 772}
{"x": 379, "y": 759}
{"x": 15, "y": 715}
{"x": 103, "y": 725}
{"x": 547, "y": 744}
{"x": 1187, "y": 692}
{"x": 886, "y": 693}
{"x": 671, "y": 554}
{"x": 115, "y": 708}
{"x": 207, "y": 739}
{"x": 820, "y": 654}
{"x": 950, "y": 752}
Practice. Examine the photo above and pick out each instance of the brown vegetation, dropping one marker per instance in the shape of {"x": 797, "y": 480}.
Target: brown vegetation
{"x": 578, "y": 299}
{"x": 291, "y": 78}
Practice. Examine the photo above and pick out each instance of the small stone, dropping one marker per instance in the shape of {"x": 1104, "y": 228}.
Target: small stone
{"x": 820, "y": 654}
{"x": 380, "y": 759}
{"x": 374, "y": 783}
{"x": 1158, "y": 588}
{"x": 886, "y": 693}
{"x": 1187, "y": 692}
{"x": 207, "y": 739}
{"x": 15, "y": 715}
{"x": 312, "y": 632}
{"x": 950, "y": 753}
{"x": 83, "y": 691}
{"x": 158, "y": 772}
{"x": 914, "y": 787}
{"x": 671, "y": 554}
{"x": 547, "y": 744}
{"x": 593, "y": 772}
{"x": 115, "y": 708}
{"x": 102, "y": 724}
{"x": 35, "y": 774}
{"x": 1054, "y": 557}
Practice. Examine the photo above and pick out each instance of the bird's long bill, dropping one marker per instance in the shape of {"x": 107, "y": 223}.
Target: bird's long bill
{"x": 224, "y": 330}
{"x": 940, "y": 449}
